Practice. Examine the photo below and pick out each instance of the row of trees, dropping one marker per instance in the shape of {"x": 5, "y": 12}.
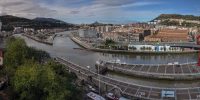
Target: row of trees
{"x": 109, "y": 42}
{"x": 169, "y": 23}
{"x": 33, "y": 76}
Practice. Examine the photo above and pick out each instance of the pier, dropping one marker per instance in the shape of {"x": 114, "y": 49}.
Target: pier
{"x": 39, "y": 40}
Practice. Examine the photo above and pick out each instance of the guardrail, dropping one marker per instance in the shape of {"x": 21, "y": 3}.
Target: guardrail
{"x": 125, "y": 86}
{"x": 129, "y": 70}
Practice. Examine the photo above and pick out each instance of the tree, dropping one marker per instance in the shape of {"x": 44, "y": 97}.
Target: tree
{"x": 109, "y": 42}
{"x": 66, "y": 79}
{"x": 26, "y": 82}
{"x": 16, "y": 52}
{"x": 32, "y": 77}
{"x": 35, "y": 82}
{"x": 37, "y": 55}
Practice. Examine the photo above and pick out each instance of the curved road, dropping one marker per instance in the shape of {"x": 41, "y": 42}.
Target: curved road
{"x": 134, "y": 90}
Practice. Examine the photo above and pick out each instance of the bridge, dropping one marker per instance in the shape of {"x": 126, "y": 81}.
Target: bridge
{"x": 186, "y": 45}
{"x": 132, "y": 89}
{"x": 175, "y": 44}
{"x": 64, "y": 34}
{"x": 192, "y": 45}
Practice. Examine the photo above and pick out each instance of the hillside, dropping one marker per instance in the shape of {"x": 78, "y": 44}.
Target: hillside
{"x": 178, "y": 16}
{"x": 49, "y": 20}
{"x": 178, "y": 20}
{"x": 9, "y": 22}
{"x": 95, "y": 24}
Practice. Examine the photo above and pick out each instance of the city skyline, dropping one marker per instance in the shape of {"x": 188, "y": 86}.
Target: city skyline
{"x": 106, "y": 11}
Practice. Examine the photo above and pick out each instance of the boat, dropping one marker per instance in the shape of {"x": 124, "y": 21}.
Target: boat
{"x": 95, "y": 96}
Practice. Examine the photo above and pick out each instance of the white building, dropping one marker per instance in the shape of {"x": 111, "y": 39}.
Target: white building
{"x": 153, "y": 48}
{"x": 86, "y": 33}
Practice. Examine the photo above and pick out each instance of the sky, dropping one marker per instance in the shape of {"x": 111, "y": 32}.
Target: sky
{"x": 105, "y": 11}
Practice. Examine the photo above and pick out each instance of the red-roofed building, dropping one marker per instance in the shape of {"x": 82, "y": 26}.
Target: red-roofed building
{"x": 169, "y": 35}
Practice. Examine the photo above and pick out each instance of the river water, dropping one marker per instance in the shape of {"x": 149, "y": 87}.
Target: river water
{"x": 64, "y": 47}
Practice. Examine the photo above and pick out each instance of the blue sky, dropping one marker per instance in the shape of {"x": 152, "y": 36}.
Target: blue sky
{"x": 107, "y": 11}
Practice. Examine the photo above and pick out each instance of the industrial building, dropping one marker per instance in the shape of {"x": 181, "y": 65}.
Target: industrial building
{"x": 87, "y": 33}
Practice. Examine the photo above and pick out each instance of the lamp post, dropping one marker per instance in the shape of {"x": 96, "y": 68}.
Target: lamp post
{"x": 97, "y": 62}
{"x": 88, "y": 67}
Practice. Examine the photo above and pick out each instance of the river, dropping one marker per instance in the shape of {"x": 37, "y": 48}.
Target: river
{"x": 64, "y": 47}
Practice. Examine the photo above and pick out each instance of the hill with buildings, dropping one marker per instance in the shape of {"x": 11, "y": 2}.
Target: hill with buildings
{"x": 178, "y": 20}
{"x": 9, "y": 22}
{"x": 178, "y": 16}
{"x": 95, "y": 24}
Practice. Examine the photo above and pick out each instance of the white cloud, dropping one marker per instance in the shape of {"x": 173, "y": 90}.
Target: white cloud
{"x": 24, "y": 8}
{"x": 114, "y": 2}
{"x": 71, "y": 9}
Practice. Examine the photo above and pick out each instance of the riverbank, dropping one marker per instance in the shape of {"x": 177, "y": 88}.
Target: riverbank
{"x": 86, "y": 46}
{"x": 38, "y": 40}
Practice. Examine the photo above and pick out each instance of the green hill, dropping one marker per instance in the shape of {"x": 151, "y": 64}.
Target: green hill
{"x": 178, "y": 16}
{"x": 179, "y": 20}
{"x": 9, "y": 22}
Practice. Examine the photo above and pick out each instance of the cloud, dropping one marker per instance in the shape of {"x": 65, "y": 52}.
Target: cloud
{"x": 72, "y": 9}
{"x": 74, "y": 12}
{"x": 114, "y": 2}
{"x": 24, "y": 8}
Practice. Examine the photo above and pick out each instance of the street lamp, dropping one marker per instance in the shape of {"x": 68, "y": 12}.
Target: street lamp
{"x": 97, "y": 62}
{"x": 88, "y": 67}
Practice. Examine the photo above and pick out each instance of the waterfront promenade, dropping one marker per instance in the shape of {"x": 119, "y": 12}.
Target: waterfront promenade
{"x": 163, "y": 71}
{"x": 90, "y": 47}
{"x": 131, "y": 89}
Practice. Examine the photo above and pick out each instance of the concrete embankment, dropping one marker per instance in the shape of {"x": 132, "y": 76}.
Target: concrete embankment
{"x": 159, "y": 76}
{"x": 86, "y": 46}
{"x": 131, "y": 90}
{"x": 38, "y": 40}
{"x": 167, "y": 72}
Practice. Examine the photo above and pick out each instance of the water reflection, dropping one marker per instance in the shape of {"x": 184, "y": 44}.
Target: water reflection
{"x": 150, "y": 58}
